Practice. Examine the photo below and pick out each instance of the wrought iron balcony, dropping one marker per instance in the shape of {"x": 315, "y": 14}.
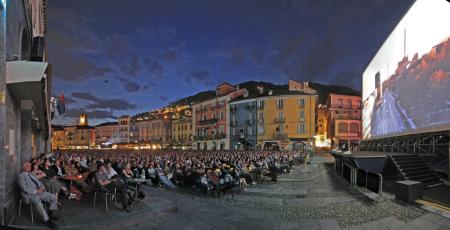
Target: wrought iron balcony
{"x": 208, "y": 121}
{"x": 279, "y": 136}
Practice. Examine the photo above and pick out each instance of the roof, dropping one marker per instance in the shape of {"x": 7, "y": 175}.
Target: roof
{"x": 253, "y": 90}
{"x": 325, "y": 90}
{"x": 108, "y": 124}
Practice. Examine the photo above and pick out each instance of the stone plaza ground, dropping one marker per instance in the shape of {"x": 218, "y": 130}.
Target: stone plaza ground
{"x": 311, "y": 197}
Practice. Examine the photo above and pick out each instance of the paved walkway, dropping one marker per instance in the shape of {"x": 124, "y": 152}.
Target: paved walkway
{"x": 311, "y": 197}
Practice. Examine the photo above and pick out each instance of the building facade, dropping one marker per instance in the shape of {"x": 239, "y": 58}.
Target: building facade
{"x": 322, "y": 140}
{"x": 107, "y": 134}
{"x": 124, "y": 129}
{"x": 211, "y": 121}
{"x": 81, "y": 136}
{"x": 344, "y": 120}
{"x": 25, "y": 92}
{"x": 243, "y": 122}
{"x": 286, "y": 121}
{"x": 182, "y": 130}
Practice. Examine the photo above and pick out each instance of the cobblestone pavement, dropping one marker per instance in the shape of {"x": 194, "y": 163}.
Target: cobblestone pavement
{"x": 311, "y": 197}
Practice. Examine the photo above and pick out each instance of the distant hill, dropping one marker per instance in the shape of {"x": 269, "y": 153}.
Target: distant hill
{"x": 252, "y": 86}
{"x": 205, "y": 95}
{"x": 325, "y": 90}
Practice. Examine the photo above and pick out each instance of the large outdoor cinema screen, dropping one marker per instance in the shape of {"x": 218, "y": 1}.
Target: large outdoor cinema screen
{"x": 406, "y": 86}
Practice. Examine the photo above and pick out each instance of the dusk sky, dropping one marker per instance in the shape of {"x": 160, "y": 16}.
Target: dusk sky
{"x": 115, "y": 57}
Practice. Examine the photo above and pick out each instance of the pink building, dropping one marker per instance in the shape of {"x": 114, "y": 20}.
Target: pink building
{"x": 344, "y": 120}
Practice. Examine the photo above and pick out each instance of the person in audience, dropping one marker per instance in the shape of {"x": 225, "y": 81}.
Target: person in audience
{"x": 70, "y": 170}
{"x": 52, "y": 184}
{"x": 111, "y": 184}
{"x": 110, "y": 172}
{"x": 127, "y": 172}
{"x": 34, "y": 191}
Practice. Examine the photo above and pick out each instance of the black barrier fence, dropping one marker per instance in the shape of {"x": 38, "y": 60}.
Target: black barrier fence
{"x": 361, "y": 178}
{"x": 374, "y": 182}
{"x": 346, "y": 172}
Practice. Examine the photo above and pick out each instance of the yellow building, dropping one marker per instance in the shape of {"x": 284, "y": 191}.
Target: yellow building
{"x": 74, "y": 136}
{"x": 286, "y": 121}
{"x": 182, "y": 132}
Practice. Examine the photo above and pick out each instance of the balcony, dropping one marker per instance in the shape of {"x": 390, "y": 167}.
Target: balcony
{"x": 208, "y": 121}
{"x": 347, "y": 117}
{"x": 220, "y": 136}
{"x": 251, "y": 107}
{"x": 279, "y": 120}
{"x": 233, "y": 123}
{"x": 279, "y": 136}
{"x": 342, "y": 106}
{"x": 200, "y": 110}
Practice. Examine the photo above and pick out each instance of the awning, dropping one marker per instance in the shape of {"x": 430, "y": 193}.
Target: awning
{"x": 28, "y": 80}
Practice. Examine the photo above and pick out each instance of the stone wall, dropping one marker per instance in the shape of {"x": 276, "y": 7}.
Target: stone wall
{"x": 14, "y": 25}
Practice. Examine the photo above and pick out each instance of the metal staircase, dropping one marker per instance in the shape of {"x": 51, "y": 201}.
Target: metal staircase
{"x": 412, "y": 167}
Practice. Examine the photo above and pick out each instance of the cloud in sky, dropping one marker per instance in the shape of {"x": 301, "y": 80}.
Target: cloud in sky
{"x": 181, "y": 49}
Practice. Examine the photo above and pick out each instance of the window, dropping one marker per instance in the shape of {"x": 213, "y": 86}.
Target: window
{"x": 280, "y": 103}
{"x": 340, "y": 102}
{"x": 260, "y": 129}
{"x": 260, "y": 104}
{"x": 301, "y": 115}
{"x": 221, "y": 129}
{"x": 301, "y": 102}
{"x": 250, "y": 130}
{"x": 233, "y": 131}
{"x": 354, "y": 128}
{"x": 222, "y": 115}
{"x": 214, "y": 116}
{"x": 343, "y": 127}
{"x": 301, "y": 128}
{"x": 280, "y": 116}
{"x": 204, "y": 117}
{"x": 349, "y": 103}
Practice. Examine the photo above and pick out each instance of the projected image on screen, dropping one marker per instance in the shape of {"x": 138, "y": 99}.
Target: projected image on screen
{"x": 406, "y": 87}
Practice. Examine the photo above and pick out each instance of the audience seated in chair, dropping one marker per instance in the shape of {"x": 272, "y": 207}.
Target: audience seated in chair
{"x": 34, "y": 191}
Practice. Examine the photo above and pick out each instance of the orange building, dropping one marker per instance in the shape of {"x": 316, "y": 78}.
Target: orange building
{"x": 344, "y": 120}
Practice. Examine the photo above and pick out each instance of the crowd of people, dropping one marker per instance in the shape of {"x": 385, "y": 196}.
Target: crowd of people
{"x": 111, "y": 169}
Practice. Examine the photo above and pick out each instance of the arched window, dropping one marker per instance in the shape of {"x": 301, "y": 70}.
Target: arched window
{"x": 354, "y": 128}
{"x": 343, "y": 127}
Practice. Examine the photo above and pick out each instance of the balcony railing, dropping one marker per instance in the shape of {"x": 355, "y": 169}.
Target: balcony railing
{"x": 342, "y": 106}
{"x": 251, "y": 107}
{"x": 279, "y": 136}
{"x": 250, "y": 121}
{"x": 210, "y": 137}
{"x": 347, "y": 117}
{"x": 279, "y": 120}
{"x": 261, "y": 120}
{"x": 208, "y": 121}
{"x": 233, "y": 123}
